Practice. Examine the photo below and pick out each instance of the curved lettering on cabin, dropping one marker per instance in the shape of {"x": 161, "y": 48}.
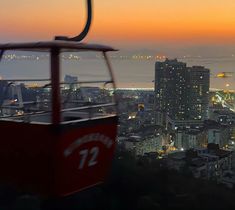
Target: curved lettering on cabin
{"x": 93, "y": 137}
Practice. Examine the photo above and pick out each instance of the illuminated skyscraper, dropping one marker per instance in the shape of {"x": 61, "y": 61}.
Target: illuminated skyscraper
{"x": 180, "y": 91}
{"x": 198, "y": 83}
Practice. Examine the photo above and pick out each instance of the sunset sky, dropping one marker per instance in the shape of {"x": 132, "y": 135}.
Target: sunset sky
{"x": 174, "y": 28}
{"x": 127, "y": 23}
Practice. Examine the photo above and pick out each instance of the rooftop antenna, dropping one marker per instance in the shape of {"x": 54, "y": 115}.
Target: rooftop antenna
{"x": 85, "y": 31}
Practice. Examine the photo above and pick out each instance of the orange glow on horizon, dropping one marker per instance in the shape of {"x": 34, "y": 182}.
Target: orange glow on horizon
{"x": 127, "y": 22}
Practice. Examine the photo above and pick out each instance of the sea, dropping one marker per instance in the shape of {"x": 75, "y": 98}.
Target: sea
{"x": 128, "y": 72}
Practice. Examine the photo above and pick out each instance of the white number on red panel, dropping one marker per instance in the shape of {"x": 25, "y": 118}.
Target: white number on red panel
{"x": 92, "y": 153}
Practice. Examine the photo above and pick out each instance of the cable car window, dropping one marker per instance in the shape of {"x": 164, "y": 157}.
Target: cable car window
{"x": 86, "y": 86}
{"x": 23, "y": 86}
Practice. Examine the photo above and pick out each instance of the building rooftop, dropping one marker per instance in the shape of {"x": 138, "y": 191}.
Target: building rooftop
{"x": 193, "y": 131}
{"x": 177, "y": 155}
{"x": 198, "y": 162}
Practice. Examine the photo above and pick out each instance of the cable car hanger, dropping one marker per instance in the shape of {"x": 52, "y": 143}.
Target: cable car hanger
{"x": 85, "y": 31}
{"x": 77, "y": 38}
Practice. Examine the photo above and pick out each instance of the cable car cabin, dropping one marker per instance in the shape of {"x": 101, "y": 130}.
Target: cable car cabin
{"x": 57, "y": 130}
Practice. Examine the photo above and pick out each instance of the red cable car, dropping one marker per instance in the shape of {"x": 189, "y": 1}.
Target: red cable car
{"x": 62, "y": 139}
{"x": 56, "y": 150}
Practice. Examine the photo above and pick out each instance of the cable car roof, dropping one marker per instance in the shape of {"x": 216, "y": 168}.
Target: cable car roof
{"x": 46, "y": 46}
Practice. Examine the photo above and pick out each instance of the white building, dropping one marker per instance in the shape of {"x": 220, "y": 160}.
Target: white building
{"x": 141, "y": 145}
{"x": 207, "y": 163}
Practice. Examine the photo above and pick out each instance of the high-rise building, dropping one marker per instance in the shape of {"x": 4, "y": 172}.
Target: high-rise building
{"x": 70, "y": 81}
{"x": 181, "y": 92}
{"x": 3, "y": 92}
{"x": 198, "y": 82}
{"x": 170, "y": 88}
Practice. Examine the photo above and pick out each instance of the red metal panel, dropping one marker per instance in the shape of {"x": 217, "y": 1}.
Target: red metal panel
{"x": 51, "y": 160}
{"x": 84, "y": 156}
{"x": 25, "y": 156}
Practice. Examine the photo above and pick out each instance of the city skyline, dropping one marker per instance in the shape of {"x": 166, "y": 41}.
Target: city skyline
{"x": 162, "y": 106}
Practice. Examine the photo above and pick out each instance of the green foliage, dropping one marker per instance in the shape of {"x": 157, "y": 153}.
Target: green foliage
{"x": 148, "y": 185}
{"x": 141, "y": 184}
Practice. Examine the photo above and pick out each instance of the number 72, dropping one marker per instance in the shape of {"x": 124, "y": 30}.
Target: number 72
{"x": 84, "y": 156}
